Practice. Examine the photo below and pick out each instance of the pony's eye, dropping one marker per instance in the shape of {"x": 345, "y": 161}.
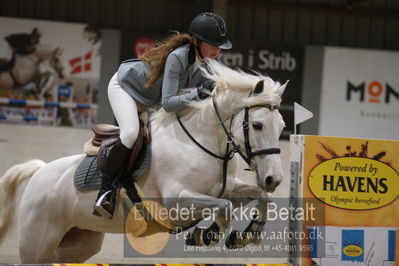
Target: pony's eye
{"x": 257, "y": 125}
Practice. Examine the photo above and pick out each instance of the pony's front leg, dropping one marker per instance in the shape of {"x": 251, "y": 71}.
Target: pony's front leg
{"x": 243, "y": 193}
{"x": 205, "y": 206}
{"x": 254, "y": 233}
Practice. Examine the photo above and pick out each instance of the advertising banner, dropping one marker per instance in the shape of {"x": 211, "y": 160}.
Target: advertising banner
{"x": 360, "y": 93}
{"x": 49, "y": 72}
{"x": 357, "y": 180}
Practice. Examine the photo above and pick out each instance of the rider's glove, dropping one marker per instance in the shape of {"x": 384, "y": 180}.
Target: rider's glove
{"x": 205, "y": 88}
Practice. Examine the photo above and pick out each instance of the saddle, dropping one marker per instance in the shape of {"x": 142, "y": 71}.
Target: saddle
{"x": 106, "y": 134}
{"x": 88, "y": 174}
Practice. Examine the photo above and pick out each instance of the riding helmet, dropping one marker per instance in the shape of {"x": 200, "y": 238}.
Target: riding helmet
{"x": 210, "y": 28}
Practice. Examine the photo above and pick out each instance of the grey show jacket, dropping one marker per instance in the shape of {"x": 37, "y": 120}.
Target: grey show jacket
{"x": 178, "y": 74}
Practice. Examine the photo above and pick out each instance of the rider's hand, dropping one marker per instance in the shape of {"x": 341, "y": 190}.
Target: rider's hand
{"x": 204, "y": 89}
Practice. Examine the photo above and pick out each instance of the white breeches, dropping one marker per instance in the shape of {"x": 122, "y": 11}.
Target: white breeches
{"x": 125, "y": 112}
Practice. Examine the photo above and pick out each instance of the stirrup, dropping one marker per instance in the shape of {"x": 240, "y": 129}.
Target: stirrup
{"x": 99, "y": 210}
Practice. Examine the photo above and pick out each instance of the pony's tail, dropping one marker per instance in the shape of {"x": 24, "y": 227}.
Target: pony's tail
{"x": 9, "y": 185}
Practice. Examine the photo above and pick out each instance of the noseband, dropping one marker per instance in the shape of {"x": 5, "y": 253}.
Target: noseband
{"x": 249, "y": 154}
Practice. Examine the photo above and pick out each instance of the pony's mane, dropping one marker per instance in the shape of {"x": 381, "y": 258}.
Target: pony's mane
{"x": 233, "y": 86}
{"x": 228, "y": 79}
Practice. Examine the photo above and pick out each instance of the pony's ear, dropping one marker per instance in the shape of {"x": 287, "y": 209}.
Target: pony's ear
{"x": 280, "y": 90}
{"x": 258, "y": 88}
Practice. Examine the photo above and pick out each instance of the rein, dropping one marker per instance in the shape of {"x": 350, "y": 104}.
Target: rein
{"x": 226, "y": 158}
{"x": 229, "y": 154}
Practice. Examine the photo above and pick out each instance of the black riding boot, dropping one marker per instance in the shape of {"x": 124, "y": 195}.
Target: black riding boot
{"x": 114, "y": 168}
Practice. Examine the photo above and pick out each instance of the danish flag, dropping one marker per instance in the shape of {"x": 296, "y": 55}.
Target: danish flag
{"x": 81, "y": 63}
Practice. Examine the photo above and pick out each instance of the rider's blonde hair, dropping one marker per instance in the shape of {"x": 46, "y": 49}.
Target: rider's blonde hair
{"x": 156, "y": 56}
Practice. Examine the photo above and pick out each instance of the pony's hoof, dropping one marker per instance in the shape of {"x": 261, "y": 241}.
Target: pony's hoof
{"x": 257, "y": 241}
{"x": 231, "y": 241}
{"x": 194, "y": 237}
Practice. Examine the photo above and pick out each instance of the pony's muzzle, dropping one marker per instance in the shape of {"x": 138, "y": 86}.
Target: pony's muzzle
{"x": 271, "y": 183}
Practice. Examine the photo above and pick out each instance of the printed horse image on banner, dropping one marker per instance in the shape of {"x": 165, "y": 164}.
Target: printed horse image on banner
{"x": 41, "y": 67}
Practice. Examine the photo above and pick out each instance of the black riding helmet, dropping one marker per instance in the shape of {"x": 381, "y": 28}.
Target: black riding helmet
{"x": 210, "y": 28}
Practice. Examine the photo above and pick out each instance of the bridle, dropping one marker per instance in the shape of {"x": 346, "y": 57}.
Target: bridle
{"x": 249, "y": 154}
{"x": 229, "y": 153}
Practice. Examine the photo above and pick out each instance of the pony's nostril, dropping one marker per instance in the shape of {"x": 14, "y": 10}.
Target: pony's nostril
{"x": 269, "y": 180}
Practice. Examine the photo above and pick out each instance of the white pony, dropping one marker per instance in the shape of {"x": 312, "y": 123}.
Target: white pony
{"x": 43, "y": 62}
{"x": 55, "y": 221}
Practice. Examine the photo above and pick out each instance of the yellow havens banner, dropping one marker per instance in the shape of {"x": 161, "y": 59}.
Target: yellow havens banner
{"x": 357, "y": 179}
{"x": 357, "y": 183}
